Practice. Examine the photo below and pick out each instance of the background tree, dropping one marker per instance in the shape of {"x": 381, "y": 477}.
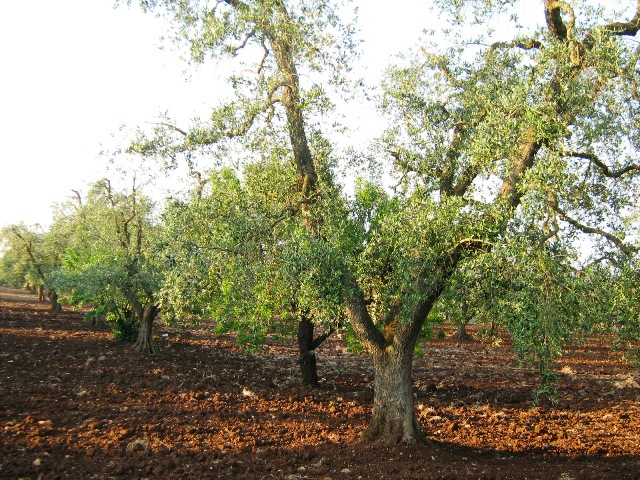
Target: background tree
{"x": 466, "y": 298}
{"x": 30, "y": 256}
{"x": 110, "y": 263}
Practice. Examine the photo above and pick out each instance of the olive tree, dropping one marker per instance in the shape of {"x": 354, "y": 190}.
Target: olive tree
{"x": 280, "y": 50}
{"x": 110, "y": 262}
{"x": 238, "y": 259}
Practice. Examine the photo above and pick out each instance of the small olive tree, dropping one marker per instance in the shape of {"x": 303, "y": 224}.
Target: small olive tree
{"x": 111, "y": 263}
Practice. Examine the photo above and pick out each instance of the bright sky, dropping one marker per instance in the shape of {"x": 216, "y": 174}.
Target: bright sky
{"x": 72, "y": 72}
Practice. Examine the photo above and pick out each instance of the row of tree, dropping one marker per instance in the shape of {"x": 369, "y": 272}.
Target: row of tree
{"x": 504, "y": 161}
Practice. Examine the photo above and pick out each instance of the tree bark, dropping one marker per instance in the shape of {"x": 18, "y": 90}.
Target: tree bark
{"x": 393, "y": 419}
{"x": 145, "y": 343}
{"x": 307, "y": 346}
{"x": 307, "y": 358}
{"x": 40, "y": 290}
{"x": 55, "y": 304}
{"x": 461, "y": 325}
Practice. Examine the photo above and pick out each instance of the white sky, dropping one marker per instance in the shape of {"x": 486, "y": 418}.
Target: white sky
{"x": 73, "y": 71}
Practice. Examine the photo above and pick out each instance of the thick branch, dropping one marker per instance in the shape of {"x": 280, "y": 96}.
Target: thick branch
{"x": 291, "y": 210}
{"x": 471, "y": 171}
{"x": 319, "y": 340}
{"x": 469, "y": 245}
{"x": 360, "y": 318}
{"x": 554, "y": 19}
{"x": 629, "y": 28}
{"x": 509, "y": 192}
{"x": 550, "y": 228}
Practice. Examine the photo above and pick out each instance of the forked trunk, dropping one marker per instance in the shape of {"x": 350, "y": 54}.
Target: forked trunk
{"x": 394, "y": 419}
{"x": 144, "y": 343}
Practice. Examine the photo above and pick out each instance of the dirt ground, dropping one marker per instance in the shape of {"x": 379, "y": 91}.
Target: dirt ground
{"x": 74, "y": 404}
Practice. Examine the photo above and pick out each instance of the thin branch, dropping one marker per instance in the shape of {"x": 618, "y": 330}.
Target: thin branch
{"x": 244, "y": 41}
{"x": 266, "y": 54}
{"x": 626, "y": 249}
{"x": 78, "y": 198}
{"x": 603, "y": 258}
{"x": 524, "y": 44}
{"x": 606, "y": 171}
{"x": 173, "y": 127}
{"x": 435, "y": 59}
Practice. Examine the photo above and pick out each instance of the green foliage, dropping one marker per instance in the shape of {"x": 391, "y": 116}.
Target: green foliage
{"x": 29, "y": 255}
{"x": 240, "y": 257}
{"x": 124, "y": 329}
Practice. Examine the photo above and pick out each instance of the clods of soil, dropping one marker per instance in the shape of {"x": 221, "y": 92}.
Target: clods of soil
{"x": 75, "y": 404}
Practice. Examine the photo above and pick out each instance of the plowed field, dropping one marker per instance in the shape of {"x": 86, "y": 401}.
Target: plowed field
{"x": 74, "y": 404}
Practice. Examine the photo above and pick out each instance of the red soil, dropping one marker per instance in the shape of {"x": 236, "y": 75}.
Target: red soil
{"x": 74, "y": 404}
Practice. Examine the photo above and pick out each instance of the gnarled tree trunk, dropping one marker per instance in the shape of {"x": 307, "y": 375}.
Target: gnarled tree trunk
{"x": 461, "y": 332}
{"x": 40, "y": 291}
{"x": 144, "y": 343}
{"x": 393, "y": 419}
{"x": 55, "y": 304}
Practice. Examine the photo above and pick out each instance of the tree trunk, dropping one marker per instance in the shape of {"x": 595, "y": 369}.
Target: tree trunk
{"x": 307, "y": 358}
{"x": 461, "y": 333}
{"x": 55, "y": 304}
{"x": 393, "y": 420}
{"x": 145, "y": 343}
{"x": 40, "y": 290}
